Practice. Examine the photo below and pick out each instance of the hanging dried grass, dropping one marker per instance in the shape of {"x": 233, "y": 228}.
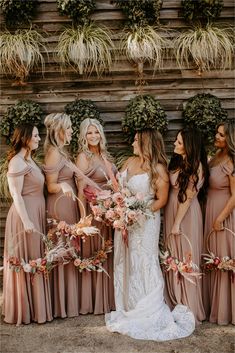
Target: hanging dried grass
{"x": 86, "y": 48}
{"x": 210, "y": 47}
{"x": 20, "y": 52}
{"x": 144, "y": 44}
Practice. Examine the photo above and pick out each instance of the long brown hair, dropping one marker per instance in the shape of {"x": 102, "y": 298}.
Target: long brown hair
{"x": 195, "y": 154}
{"x": 20, "y": 139}
{"x": 152, "y": 152}
{"x": 229, "y": 131}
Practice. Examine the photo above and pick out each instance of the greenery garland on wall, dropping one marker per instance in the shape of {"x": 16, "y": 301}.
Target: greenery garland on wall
{"x": 207, "y": 45}
{"x": 18, "y": 13}
{"x": 204, "y": 112}
{"x": 79, "y": 110}
{"x": 78, "y": 11}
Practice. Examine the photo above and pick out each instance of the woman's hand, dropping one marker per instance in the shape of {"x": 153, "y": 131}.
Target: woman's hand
{"x": 218, "y": 225}
{"x": 29, "y": 226}
{"x": 175, "y": 229}
{"x": 67, "y": 190}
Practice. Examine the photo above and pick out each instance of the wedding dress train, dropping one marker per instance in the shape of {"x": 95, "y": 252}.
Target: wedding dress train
{"x": 141, "y": 311}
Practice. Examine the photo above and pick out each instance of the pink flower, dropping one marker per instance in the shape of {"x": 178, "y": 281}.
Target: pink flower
{"x": 97, "y": 211}
{"x": 120, "y": 210}
{"x": 77, "y": 262}
{"x": 118, "y": 224}
{"x": 118, "y": 198}
{"x": 110, "y": 215}
{"x": 104, "y": 194}
{"x": 107, "y": 203}
{"x": 131, "y": 215}
{"x": 61, "y": 225}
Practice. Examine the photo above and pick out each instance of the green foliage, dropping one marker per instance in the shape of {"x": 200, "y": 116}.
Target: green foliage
{"x": 25, "y": 111}
{"x": 18, "y": 12}
{"x": 204, "y": 112}
{"x": 201, "y": 10}
{"x": 141, "y": 13}
{"x": 143, "y": 112}
{"x": 78, "y": 11}
{"x": 79, "y": 110}
{"x": 20, "y": 52}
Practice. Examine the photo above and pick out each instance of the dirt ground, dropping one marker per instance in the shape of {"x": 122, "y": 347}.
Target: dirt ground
{"x": 88, "y": 334}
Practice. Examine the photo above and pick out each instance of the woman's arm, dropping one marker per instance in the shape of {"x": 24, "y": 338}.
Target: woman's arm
{"x": 228, "y": 208}
{"x": 183, "y": 207}
{"x": 162, "y": 189}
{"x": 52, "y": 159}
{"x": 16, "y": 186}
{"x": 83, "y": 164}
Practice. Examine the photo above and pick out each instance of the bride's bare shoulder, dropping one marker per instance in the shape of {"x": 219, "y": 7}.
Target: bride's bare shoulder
{"x": 127, "y": 163}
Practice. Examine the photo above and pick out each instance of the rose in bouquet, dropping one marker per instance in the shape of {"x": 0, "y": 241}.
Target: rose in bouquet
{"x": 118, "y": 207}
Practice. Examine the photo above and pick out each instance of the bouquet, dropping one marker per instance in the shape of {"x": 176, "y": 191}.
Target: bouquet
{"x": 182, "y": 268}
{"x": 118, "y": 206}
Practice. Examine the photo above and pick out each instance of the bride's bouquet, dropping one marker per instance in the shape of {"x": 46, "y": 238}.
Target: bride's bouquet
{"x": 118, "y": 206}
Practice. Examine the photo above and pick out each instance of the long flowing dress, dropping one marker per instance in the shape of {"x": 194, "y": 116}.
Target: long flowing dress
{"x": 182, "y": 291}
{"x": 65, "y": 278}
{"x": 25, "y": 301}
{"x": 97, "y": 294}
{"x": 219, "y": 291}
{"x": 141, "y": 311}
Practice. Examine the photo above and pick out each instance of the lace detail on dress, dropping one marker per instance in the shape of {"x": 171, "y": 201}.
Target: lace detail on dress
{"x": 138, "y": 281}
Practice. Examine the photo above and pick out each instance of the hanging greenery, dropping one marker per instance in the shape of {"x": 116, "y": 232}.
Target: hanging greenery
{"x": 20, "y": 53}
{"x": 25, "y": 111}
{"x": 143, "y": 112}
{"x": 201, "y": 10}
{"x": 79, "y": 110}
{"x": 86, "y": 48}
{"x": 18, "y": 12}
{"x": 204, "y": 112}
{"x": 207, "y": 45}
{"x": 78, "y": 11}
{"x": 140, "y": 13}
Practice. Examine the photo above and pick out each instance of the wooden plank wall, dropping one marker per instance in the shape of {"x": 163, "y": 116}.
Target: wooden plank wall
{"x": 112, "y": 92}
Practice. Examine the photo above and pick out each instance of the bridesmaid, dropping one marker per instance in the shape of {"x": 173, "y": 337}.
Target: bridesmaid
{"x": 93, "y": 159}
{"x": 25, "y": 301}
{"x": 61, "y": 205}
{"x": 187, "y": 171}
{"x": 219, "y": 294}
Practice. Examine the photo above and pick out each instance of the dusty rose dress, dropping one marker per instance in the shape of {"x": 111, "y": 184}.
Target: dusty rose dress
{"x": 65, "y": 278}
{"x": 184, "y": 292}
{"x": 97, "y": 288}
{"x": 25, "y": 301}
{"x": 219, "y": 291}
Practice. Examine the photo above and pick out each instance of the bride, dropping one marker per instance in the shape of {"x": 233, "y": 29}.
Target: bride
{"x": 141, "y": 312}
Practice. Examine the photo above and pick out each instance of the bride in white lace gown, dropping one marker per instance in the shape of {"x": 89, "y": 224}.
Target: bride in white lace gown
{"x": 141, "y": 312}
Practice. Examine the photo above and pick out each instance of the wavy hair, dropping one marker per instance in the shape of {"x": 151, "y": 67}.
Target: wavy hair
{"x": 82, "y": 139}
{"x": 152, "y": 152}
{"x": 20, "y": 139}
{"x": 55, "y": 122}
{"x": 195, "y": 153}
{"x": 229, "y": 130}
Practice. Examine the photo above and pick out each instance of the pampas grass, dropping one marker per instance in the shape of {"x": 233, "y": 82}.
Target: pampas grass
{"x": 209, "y": 48}
{"x": 144, "y": 44}
{"x": 20, "y": 52}
{"x": 86, "y": 48}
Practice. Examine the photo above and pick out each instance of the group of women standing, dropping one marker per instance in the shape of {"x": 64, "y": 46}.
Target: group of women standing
{"x": 179, "y": 188}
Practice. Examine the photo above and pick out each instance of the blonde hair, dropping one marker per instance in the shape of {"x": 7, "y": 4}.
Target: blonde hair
{"x": 229, "y": 130}
{"x": 55, "y": 122}
{"x": 152, "y": 152}
{"x": 82, "y": 139}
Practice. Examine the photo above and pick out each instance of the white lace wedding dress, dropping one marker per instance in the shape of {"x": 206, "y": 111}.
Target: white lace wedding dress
{"x": 141, "y": 311}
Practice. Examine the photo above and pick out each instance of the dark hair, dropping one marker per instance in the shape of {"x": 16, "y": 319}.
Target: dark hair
{"x": 188, "y": 167}
{"x": 20, "y": 139}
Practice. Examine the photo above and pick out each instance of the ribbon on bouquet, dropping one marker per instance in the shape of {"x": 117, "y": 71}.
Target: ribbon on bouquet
{"x": 125, "y": 236}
